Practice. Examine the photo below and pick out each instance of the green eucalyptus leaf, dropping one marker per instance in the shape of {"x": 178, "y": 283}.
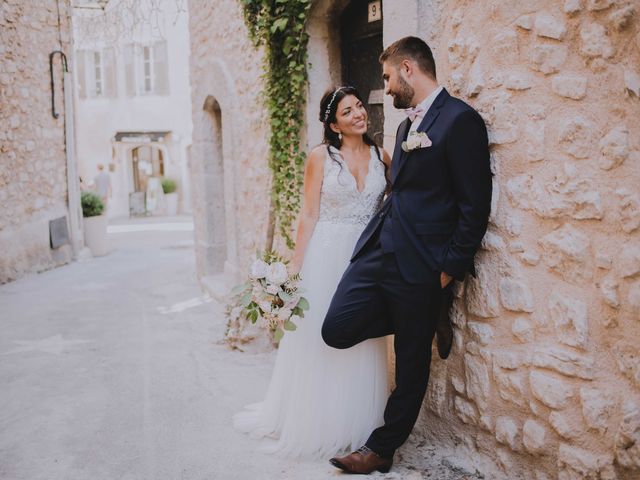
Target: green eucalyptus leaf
{"x": 277, "y": 336}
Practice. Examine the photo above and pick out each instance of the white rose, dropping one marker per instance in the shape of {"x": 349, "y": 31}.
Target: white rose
{"x": 258, "y": 269}
{"x": 413, "y": 142}
{"x": 284, "y": 314}
{"x": 277, "y": 273}
{"x": 235, "y": 312}
{"x": 295, "y": 319}
{"x": 273, "y": 289}
{"x": 293, "y": 302}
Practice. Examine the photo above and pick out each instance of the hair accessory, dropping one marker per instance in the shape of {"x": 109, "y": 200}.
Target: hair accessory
{"x": 328, "y": 110}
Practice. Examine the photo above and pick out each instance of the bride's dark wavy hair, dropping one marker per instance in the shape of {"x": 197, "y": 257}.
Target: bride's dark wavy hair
{"x": 328, "y": 110}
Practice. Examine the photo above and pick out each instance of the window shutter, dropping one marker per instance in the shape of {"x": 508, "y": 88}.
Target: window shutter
{"x": 80, "y": 74}
{"x": 129, "y": 70}
{"x": 109, "y": 75}
{"x": 161, "y": 68}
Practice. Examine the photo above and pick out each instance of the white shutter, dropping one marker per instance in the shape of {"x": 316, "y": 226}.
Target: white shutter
{"x": 129, "y": 70}
{"x": 80, "y": 73}
{"x": 110, "y": 86}
{"x": 161, "y": 68}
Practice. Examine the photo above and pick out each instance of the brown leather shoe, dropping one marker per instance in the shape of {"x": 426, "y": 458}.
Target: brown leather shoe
{"x": 364, "y": 461}
{"x": 444, "y": 330}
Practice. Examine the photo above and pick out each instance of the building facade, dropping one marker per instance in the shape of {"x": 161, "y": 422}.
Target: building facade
{"x": 133, "y": 100}
{"x": 40, "y": 218}
{"x": 544, "y": 380}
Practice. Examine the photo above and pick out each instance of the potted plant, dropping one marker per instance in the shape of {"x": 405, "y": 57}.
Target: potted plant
{"x": 95, "y": 223}
{"x": 169, "y": 187}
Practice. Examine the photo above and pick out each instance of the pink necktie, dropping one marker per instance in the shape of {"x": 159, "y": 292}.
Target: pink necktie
{"x": 414, "y": 112}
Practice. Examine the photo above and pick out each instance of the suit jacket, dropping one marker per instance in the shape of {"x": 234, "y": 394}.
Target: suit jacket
{"x": 440, "y": 196}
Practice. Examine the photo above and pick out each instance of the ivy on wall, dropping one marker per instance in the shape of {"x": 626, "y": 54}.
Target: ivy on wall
{"x": 279, "y": 26}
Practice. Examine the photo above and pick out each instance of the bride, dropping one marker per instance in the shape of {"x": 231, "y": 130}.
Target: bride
{"x": 321, "y": 400}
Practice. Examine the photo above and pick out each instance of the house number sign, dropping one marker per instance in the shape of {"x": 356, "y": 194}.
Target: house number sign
{"x": 375, "y": 12}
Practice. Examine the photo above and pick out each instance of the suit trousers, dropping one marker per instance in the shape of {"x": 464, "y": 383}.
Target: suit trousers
{"x": 373, "y": 300}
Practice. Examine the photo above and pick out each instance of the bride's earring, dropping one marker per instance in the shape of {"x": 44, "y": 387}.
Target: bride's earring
{"x": 340, "y": 136}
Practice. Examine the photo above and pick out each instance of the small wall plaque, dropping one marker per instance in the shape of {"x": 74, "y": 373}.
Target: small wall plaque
{"x": 58, "y": 232}
{"x": 375, "y": 11}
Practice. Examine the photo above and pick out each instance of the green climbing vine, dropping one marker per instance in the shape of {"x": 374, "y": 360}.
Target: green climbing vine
{"x": 279, "y": 26}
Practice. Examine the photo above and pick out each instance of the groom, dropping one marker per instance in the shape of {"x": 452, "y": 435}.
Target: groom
{"x": 425, "y": 234}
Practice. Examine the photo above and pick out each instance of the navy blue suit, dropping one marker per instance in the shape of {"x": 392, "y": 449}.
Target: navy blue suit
{"x": 432, "y": 221}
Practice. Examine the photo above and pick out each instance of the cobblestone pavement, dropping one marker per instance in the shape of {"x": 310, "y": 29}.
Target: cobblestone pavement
{"x": 112, "y": 368}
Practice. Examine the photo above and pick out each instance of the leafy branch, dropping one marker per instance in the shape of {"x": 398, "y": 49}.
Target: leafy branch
{"x": 279, "y": 26}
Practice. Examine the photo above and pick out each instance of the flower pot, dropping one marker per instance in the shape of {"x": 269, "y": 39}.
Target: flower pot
{"x": 171, "y": 200}
{"x": 95, "y": 235}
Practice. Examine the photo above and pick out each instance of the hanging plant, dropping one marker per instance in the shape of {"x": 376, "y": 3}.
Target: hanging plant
{"x": 279, "y": 26}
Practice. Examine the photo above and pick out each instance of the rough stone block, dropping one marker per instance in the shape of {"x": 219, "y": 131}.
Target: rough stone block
{"x": 632, "y": 82}
{"x": 548, "y": 58}
{"x": 525, "y": 22}
{"x": 481, "y": 294}
{"x": 621, "y": 19}
{"x": 530, "y": 257}
{"x": 511, "y": 386}
{"x": 586, "y": 464}
{"x": 572, "y": 7}
{"x": 507, "y": 432}
{"x": 570, "y": 319}
{"x": 596, "y": 5}
{"x": 609, "y": 290}
{"x": 520, "y": 81}
{"x": 465, "y": 410}
{"x": 534, "y": 140}
{"x": 595, "y": 42}
{"x": 597, "y": 407}
{"x": 628, "y": 209}
{"x": 629, "y": 260}
{"x": 523, "y": 330}
{"x": 567, "y": 251}
{"x": 511, "y": 359}
{"x": 569, "y": 86}
{"x": 550, "y": 390}
{"x": 564, "y": 425}
{"x": 627, "y": 357}
{"x": 516, "y": 295}
{"x": 480, "y": 332}
{"x": 576, "y": 136}
{"x": 534, "y": 436}
{"x": 614, "y": 148}
{"x": 546, "y": 25}
{"x": 564, "y": 361}
{"x": 627, "y": 441}
{"x": 477, "y": 380}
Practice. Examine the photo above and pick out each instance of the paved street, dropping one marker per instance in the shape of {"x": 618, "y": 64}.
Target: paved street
{"x": 113, "y": 368}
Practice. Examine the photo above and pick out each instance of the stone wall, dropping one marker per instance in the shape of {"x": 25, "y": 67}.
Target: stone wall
{"x": 33, "y": 173}
{"x": 226, "y": 76}
{"x": 544, "y": 380}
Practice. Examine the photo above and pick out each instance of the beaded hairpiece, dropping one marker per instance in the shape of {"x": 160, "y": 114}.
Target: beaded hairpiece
{"x": 328, "y": 110}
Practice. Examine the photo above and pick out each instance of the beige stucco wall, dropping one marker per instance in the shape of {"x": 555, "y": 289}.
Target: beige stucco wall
{"x": 544, "y": 379}
{"x": 33, "y": 168}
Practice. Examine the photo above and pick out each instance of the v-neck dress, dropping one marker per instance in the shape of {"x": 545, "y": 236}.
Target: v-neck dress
{"x": 320, "y": 400}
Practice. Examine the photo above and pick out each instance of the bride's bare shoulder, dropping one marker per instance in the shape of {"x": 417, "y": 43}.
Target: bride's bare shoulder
{"x": 317, "y": 156}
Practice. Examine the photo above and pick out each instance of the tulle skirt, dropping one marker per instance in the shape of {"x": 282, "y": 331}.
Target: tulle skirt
{"x": 320, "y": 400}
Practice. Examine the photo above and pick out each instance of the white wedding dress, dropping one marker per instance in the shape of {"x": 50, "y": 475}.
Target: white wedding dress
{"x": 321, "y": 400}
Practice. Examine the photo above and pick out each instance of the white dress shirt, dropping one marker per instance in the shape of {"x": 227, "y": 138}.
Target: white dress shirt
{"x": 426, "y": 104}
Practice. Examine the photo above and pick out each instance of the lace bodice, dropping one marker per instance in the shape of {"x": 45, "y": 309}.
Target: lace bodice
{"x": 340, "y": 201}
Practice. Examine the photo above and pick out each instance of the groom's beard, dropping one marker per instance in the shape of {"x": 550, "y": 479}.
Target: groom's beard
{"x": 403, "y": 95}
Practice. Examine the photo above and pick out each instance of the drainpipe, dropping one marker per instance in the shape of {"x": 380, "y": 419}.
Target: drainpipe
{"x": 73, "y": 187}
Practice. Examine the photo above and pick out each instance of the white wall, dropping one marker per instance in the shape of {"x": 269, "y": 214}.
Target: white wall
{"x": 98, "y": 119}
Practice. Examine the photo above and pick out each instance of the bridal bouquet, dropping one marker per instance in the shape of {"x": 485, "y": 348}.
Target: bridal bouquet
{"x": 270, "y": 296}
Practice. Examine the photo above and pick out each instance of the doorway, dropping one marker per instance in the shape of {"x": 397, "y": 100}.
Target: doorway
{"x": 361, "y": 34}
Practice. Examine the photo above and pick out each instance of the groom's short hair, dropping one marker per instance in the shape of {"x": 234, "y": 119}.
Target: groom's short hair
{"x": 412, "y": 48}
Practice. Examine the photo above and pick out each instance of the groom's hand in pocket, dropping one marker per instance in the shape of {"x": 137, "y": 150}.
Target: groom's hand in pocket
{"x": 445, "y": 279}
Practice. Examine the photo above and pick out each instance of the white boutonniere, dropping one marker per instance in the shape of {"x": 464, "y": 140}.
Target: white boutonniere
{"x": 416, "y": 140}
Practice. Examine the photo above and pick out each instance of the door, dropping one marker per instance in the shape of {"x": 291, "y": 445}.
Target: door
{"x": 361, "y": 34}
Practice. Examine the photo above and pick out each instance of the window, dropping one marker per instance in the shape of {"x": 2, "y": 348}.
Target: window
{"x": 146, "y": 69}
{"x": 96, "y": 73}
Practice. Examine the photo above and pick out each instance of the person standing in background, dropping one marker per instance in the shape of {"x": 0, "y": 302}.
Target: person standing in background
{"x": 102, "y": 182}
